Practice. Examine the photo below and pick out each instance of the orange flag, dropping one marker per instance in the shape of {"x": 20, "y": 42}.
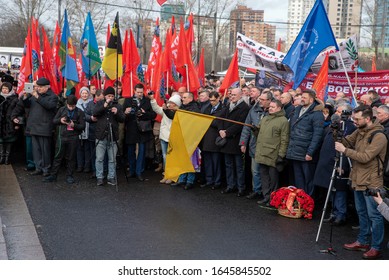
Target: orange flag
{"x": 321, "y": 80}
{"x": 232, "y": 76}
{"x": 373, "y": 65}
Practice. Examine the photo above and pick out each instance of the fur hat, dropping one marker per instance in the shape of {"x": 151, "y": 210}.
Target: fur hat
{"x": 176, "y": 99}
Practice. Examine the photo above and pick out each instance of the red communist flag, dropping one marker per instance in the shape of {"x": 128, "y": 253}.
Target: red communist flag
{"x": 232, "y": 75}
{"x": 201, "y": 68}
{"x": 161, "y": 2}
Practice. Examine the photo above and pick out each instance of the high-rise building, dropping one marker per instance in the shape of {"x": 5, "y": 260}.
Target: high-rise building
{"x": 380, "y": 36}
{"x": 344, "y": 16}
{"x": 250, "y": 23}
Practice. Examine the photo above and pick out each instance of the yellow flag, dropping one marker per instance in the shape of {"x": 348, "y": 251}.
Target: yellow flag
{"x": 187, "y": 130}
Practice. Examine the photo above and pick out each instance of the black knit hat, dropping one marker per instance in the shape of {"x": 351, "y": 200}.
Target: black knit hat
{"x": 109, "y": 90}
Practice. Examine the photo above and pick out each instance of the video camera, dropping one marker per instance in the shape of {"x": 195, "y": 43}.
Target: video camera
{"x": 135, "y": 105}
{"x": 337, "y": 124}
{"x": 373, "y": 192}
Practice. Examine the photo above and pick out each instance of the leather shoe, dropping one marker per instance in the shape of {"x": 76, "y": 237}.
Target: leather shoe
{"x": 241, "y": 194}
{"x": 330, "y": 219}
{"x": 177, "y": 184}
{"x": 227, "y": 190}
{"x": 263, "y": 201}
{"x": 372, "y": 254}
{"x": 188, "y": 186}
{"x": 356, "y": 246}
{"x": 205, "y": 185}
{"x": 252, "y": 195}
{"x": 36, "y": 172}
{"x": 140, "y": 178}
{"x": 338, "y": 222}
{"x": 49, "y": 179}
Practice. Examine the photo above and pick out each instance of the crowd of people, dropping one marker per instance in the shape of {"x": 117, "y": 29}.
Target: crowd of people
{"x": 291, "y": 138}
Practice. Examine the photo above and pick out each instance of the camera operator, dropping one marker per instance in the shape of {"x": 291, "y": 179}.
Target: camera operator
{"x": 139, "y": 129}
{"x": 71, "y": 122}
{"x": 341, "y": 125}
{"x": 366, "y": 173}
{"x": 109, "y": 114}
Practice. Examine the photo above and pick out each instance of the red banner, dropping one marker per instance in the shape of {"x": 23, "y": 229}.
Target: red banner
{"x": 337, "y": 82}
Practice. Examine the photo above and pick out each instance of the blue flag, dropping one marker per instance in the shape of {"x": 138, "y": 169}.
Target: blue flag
{"x": 91, "y": 61}
{"x": 68, "y": 56}
{"x": 315, "y": 35}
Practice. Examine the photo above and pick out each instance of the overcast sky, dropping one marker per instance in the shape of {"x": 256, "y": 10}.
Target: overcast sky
{"x": 275, "y": 10}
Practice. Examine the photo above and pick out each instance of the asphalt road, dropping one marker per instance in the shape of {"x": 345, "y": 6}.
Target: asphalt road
{"x": 148, "y": 220}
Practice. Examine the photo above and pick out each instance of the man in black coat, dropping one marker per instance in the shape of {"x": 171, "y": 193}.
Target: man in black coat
{"x": 71, "y": 123}
{"x": 43, "y": 105}
{"x": 237, "y": 110}
{"x": 212, "y": 157}
{"x": 139, "y": 129}
{"x": 108, "y": 114}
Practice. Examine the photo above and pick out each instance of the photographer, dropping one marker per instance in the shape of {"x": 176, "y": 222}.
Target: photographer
{"x": 341, "y": 125}
{"x": 363, "y": 149}
{"x": 139, "y": 129}
{"x": 71, "y": 123}
{"x": 108, "y": 114}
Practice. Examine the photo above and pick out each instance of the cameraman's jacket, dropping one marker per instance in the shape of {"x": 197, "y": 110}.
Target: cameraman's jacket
{"x": 367, "y": 169}
{"x": 78, "y": 118}
{"x": 105, "y": 118}
{"x": 133, "y": 134}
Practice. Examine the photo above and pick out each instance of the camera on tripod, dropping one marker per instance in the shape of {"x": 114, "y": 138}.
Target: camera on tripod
{"x": 373, "y": 192}
{"x": 337, "y": 124}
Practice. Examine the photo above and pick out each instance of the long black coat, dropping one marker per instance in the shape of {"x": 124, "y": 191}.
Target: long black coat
{"x": 208, "y": 142}
{"x": 233, "y": 131}
{"x": 133, "y": 134}
{"x": 7, "y": 105}
{"x": 326, "y": 161}
{"x": 41, "y": 115}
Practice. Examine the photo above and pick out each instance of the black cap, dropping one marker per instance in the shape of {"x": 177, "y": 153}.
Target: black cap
{"x": 43, "y": 82}
{"x": 109, "y": 90}
{"x": 7, "y": 78}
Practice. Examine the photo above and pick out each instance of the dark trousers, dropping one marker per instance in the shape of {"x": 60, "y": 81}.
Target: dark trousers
{"x": 65, "y": 149}
{"x": 269, "y": 179}
{"x": 212, "y": 168}
{"x": 41, "y": 151}
{"x": 234, "y": 171}
{"x": 83, "y": 154}
{"x": 303, "y": 175}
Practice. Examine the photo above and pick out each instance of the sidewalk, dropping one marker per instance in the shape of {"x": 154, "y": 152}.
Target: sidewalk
{"x": 18, "y": 237}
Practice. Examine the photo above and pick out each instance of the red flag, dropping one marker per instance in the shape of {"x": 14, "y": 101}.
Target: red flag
{"x": 321, "y": 80}
{"x": 36, "y": 49}
{"x": 25, "y": 73}
{"x": 156, "y": 48}
{"x": 57, "y": 60}
{"x": 279, "y": 45}
{"x": 201, "y": 68}
{"x": 130, "y": 78}
{"x": 232, "y": 76}
{"x": 81, "y": 76}
{"x": 185, "y": 65}
{"x": 48, "y": 68}
{"x": 373, "y": 65}
{"x": 108, "y": 35}
{"x": 161, "y": 2}
{"x": 189, "y": 32}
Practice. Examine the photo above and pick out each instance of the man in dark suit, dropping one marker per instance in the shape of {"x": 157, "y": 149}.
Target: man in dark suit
{"x": 237, "y": 110}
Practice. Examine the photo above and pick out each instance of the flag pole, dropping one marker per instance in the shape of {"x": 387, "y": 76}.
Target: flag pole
{"x": 167, "y": 82}
{"x": 348, "y": 78}
{"x": 117, "y": 61}
{"x": 131, "y": 84}
{"x": 89, "y": 76}
{"x": 187, "y": 77}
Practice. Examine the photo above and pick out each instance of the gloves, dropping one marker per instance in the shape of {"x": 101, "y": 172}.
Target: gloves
{"x": 255, "y": 130}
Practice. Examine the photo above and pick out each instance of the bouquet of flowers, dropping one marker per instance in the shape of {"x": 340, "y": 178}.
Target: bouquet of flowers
{"x": 292, "y": 202}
